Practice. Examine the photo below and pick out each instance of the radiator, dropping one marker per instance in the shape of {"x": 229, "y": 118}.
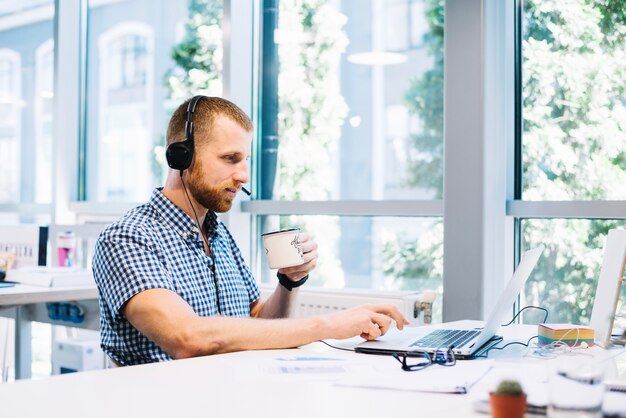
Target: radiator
{"x": 415, "y": 306}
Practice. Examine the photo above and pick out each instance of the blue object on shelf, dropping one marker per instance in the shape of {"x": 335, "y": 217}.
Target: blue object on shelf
{"x": 67, "y": 312}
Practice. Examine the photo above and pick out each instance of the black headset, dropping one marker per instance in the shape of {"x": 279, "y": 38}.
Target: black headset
{"x": 180, "y": 154}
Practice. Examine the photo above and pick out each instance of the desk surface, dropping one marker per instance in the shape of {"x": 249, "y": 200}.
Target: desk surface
{"x": 29, "y": 303}
{"x": 21, "y": 294}
{"x": 247, "y": 384}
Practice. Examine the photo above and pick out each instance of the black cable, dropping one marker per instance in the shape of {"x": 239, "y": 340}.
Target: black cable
{"x": 508, "y": 344}
{"x": 545, "y": 318}
{"x": 337, "y": 348}
{"x": 217, "y": 290}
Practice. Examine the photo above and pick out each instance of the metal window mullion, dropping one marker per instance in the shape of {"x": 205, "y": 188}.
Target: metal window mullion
{"x": 574, "y": 209}
{"x": 518, "y": 118}
{"x": 69, "y": 28}
{"x": 418, "y": 208}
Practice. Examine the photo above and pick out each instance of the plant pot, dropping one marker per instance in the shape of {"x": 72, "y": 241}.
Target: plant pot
{"x": 507, "y": 406}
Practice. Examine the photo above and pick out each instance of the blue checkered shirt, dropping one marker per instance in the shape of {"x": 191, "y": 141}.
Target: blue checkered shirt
{"x": 158, "y": 246}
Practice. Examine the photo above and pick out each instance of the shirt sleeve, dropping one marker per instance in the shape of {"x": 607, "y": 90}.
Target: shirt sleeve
{"x": 126, "y": 263}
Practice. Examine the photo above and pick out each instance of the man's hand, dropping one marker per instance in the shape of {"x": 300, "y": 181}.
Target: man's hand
{"x": 368, "y": 321}
{"x": 309, "y": 252}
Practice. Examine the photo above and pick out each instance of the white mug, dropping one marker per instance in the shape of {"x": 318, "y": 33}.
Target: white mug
{"x": 283, "y": 248}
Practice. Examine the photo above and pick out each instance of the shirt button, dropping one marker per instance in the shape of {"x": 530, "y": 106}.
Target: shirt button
{"x": 194, "y": 229}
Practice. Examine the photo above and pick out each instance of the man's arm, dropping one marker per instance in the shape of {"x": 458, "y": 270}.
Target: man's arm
{"x": 165, "y": 318}
{"x": 282, "y": 301}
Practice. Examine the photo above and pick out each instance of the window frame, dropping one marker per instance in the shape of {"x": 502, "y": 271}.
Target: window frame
{"x": 518, "y": 208}
{"x": 259, "y": 207}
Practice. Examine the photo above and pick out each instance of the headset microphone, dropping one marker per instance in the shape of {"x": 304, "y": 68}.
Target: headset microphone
{"x": 245, "y": 190}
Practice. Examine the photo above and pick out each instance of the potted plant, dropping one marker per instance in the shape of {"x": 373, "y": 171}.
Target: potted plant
{"x": 508, "y": 400}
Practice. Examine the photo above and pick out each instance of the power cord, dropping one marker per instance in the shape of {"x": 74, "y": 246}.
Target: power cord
{"x": 526, "y": 344}
{"x": 545, "y": 318}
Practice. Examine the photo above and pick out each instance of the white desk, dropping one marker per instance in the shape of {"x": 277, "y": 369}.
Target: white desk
{"x": 240, "y": 385}
{"x": 28, "y": 303}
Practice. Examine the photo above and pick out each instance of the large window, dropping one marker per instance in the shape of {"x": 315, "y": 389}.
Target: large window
{"x": 573, "y": 145}
{"x": 10, "y": 123}
{"x": 124, "y": 111}
{"x": 351, "y": 130}
{"x": 144, "y": 59}
{"x": 44, "y": 95}
{"x": 26, "y": 94}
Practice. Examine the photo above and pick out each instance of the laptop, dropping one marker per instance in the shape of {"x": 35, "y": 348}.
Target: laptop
{"x": 467, "y": 343}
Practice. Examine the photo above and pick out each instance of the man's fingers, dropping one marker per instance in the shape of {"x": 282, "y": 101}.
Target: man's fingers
{"x": 383, "y": 322}
{"x": 303, "y": 269}
{"x": 391, "y": 311}
{"x": 308, "y": 246}
{"x": 312, "y": 255}
{"x": 307, "y": 266}
{"x": 372, "y": 332}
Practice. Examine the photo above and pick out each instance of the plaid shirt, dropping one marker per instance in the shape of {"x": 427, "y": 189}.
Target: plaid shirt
{"x": 157, "y": 245}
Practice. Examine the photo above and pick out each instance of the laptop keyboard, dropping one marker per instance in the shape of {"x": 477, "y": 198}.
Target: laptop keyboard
{"x": 444, "y": 338}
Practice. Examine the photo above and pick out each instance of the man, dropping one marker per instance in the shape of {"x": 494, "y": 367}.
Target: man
{"x": 170, "y": 290}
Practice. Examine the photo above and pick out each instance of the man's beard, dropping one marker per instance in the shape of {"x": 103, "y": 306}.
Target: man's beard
{"x": 213, "y": 198}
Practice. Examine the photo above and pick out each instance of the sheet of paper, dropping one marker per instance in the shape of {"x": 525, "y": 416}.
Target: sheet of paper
{"x": 532, "y": 377}
{"x": 324, "y": 367}
{"x": 454, "y": 379}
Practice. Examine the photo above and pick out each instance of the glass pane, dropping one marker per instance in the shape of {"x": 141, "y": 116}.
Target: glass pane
{"x": 380, "y": 253}
{"x": 145, "y": 58}
{"x": 355, "y": 110}
{"x": 26, "y": 95}
{"x": 574, "y": 100}
{"x": 564, "y": 281}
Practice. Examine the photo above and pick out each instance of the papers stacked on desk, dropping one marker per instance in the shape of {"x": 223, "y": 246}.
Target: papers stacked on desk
{"x": 51, "y": 276}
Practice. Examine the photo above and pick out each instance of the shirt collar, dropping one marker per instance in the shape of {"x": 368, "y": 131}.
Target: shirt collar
{"x": 179, "y": 219}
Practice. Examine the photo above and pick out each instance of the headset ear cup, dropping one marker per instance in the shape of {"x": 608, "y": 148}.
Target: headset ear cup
{"x": 179, "y": 155}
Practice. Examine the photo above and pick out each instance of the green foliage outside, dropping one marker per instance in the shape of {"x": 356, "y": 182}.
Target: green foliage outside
{"x": 418, "y": 264}
{"x": 311, "y": 113}
{"x": 424, "y": 98}
{"x": 574, "y": 138}
{"x": 574, "y": 96}
{"x": 197, "y": 65}
{"x": 198, "y": 58}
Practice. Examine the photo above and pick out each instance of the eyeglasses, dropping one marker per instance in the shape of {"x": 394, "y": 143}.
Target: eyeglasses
{"x": 443, "y": 357}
